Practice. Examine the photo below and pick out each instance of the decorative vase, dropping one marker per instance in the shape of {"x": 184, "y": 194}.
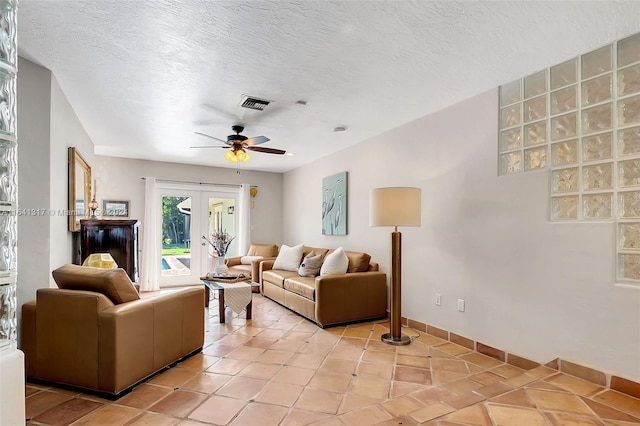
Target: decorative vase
{"x": 222, "y": 270}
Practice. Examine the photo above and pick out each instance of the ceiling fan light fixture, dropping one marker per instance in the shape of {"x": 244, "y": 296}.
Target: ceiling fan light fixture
{"x": 242, "y": 155}
{"x": 238, "y": 145}
{"x": 231, "y": 156}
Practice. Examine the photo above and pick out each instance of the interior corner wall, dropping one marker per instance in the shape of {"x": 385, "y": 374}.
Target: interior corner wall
{"x": 534, "y": 288}
{"x": 47, "y": 127}
{"x": 34, "y": 150}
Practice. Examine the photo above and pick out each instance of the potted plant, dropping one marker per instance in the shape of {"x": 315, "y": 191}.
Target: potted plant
{"x": 220, "y": 241}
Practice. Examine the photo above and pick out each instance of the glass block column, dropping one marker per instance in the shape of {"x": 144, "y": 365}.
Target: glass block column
{"x": 12, "y": 403}
{"x": 8, "y": 176}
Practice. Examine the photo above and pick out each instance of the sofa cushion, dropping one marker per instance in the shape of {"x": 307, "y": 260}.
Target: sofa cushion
{"x": 289, "y": 258}
{"x": 310, "y": 266}
{"x": 264, "y": 250}
{"x": 248, "y": 260}
{"x": 277, "y": 277}
{"x": 113, "y": 283}
{"x": 358, "y": 261}
{"x": 336, "y": 262}
{"x": 314, "y": 251}
{"x": 303, "y": 286}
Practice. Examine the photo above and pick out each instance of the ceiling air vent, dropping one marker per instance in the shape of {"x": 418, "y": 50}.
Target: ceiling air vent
{"x": 253, "y": 102}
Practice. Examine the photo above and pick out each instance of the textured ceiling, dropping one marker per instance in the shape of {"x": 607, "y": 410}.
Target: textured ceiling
{"x": 144, "y": 75}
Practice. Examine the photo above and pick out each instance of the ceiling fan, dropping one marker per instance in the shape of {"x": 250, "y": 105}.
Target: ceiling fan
{"x": 239, "y": 144}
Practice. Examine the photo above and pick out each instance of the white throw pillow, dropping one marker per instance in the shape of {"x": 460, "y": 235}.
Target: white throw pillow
{"x": 289, "y": 258}
{"x": 248, "y": 260}
{"x": 336, "y": 262}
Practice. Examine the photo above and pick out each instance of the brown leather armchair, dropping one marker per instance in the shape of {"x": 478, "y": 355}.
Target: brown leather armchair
{"x": 249, "y": 265}
{"x": 95, "y": 332}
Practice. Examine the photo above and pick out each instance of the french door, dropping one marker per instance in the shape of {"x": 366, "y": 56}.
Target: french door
{"x": 221, "y": 216}
{"x": 188, "y": 218}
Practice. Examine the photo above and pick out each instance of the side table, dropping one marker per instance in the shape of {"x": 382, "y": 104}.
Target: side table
{"x": 218, "y": 284}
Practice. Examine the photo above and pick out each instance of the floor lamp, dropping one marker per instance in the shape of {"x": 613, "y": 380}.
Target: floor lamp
{"x": 395, "y": 207}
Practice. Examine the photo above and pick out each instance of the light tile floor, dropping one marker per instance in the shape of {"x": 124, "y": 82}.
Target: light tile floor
{"x": 280, "y": 369}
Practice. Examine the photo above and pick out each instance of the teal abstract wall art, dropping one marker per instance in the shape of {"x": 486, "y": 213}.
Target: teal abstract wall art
{"x": 334, "y": 204}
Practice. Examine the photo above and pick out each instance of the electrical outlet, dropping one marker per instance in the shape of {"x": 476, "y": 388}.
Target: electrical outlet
{"x": 461, "y": 305}
{"x": 438, "y": 300}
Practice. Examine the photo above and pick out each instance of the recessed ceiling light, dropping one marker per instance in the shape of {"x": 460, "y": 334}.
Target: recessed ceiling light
{"x": 301, "y": 102}
{"x": 339, "y": 129}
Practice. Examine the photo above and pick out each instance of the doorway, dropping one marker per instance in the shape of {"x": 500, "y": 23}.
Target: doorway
{"x": 188, "y": 218}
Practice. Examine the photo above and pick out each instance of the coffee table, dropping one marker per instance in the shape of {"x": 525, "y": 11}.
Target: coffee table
{"x": 218, "y": 284}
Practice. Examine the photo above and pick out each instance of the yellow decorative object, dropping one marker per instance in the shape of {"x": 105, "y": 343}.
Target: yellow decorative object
{"x": 100, "y": 260}
{"x": 253, "y": 191}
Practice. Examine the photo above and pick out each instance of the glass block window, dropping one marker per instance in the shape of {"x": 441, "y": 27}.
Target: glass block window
{"x": 524, "y": 106}
{"x": 581, "y": 120}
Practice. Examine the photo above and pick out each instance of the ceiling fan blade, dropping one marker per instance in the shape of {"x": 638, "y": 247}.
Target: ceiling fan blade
{"x": 211, "y": 137}
{"x": 256, "y": 140}
{"x": 210, "y": 146}
{"x": 266, "y": 150}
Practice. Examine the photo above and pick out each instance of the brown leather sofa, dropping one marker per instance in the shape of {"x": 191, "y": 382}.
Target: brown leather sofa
{"x": 358, "y": 295}
{"x": 251, "y": 267}
{"x": 96, "y": 333}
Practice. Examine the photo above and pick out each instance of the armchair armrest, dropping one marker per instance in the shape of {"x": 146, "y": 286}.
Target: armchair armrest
{"x": 66, "y": 336}
{"x": 232, "y": 261}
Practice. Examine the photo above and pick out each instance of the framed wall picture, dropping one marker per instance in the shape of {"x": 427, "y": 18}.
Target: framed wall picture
{"x": 115, "y": 208}
{"x": 334, "y": 204}
{"x": 79, "y": 188}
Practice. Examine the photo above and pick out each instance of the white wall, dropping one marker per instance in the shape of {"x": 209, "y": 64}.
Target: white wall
{"x": 538, "y": 289}
{"x": 120, "y": 179}
{"x": 34, "y": 102}
{"x": 66, "y": 131}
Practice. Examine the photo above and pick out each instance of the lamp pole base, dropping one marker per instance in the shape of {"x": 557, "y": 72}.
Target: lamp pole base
{"x": 396, "y": 341}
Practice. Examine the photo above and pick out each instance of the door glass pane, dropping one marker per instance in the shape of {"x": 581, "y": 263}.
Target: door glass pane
{"x": 176, "y": 236}
{"x": 222, "y": 214}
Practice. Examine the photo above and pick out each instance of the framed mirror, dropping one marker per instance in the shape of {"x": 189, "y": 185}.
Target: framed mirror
{"x": 79, "y": 189}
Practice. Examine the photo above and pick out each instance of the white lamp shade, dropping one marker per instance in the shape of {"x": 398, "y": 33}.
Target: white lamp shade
{"x": 396, "y": 206}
